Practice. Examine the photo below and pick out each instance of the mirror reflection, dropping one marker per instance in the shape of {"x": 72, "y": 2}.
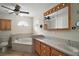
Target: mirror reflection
{"x": 58, "y": 19}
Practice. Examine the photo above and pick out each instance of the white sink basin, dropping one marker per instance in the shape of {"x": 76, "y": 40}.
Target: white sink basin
{"x": 71, "y": 50}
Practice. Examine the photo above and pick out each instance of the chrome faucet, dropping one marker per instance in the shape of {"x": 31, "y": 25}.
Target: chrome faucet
{"x": 69, "y": 42}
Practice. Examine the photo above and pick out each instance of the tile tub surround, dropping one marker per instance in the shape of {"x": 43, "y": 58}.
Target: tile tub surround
{"x": 22, "y": 47}
{"x": 61, "y": 46}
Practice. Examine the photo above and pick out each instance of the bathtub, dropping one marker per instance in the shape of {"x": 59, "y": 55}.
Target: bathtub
{"x": 27, "y": 41}
{"x": 22, "y": 43}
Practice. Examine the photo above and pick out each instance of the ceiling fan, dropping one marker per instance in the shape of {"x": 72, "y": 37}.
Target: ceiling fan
{"x": 16, "y": 10}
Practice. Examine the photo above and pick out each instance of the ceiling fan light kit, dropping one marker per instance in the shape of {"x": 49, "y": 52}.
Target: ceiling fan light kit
{"x": 17, "y": 12}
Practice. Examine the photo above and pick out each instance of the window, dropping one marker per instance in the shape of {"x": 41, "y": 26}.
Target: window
{"x": 22, "y": 23}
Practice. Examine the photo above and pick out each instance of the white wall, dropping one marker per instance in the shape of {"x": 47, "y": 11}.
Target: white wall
{"x": 21, "y": 29}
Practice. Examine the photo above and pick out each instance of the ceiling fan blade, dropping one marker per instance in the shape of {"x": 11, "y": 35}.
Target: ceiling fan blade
{"x": 6, "y": 7}
{"x": 11, "y": 13}
{"x": 24, "y": 12}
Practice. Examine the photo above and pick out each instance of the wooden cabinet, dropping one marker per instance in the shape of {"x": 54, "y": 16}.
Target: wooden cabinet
{"x": 37, "y": 46}
{"x": 2, "y": 25}
{"x": 8, "y": 25}
{"x": 55, "y": 52}
{"x": 5, "y": 24}
{"x": 45, "y": 50}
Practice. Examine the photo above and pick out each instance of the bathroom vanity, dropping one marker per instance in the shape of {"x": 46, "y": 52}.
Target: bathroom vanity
{"x": 46, "y": 47}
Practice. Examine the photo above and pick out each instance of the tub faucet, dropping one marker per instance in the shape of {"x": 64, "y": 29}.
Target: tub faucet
{"x": 69, "y": 42}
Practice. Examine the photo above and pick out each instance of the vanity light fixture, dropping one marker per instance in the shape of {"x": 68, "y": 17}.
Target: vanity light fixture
{"x": 63, "y": 4}
{"x": 50, "y": 11}
{"x": 58, "y": 7}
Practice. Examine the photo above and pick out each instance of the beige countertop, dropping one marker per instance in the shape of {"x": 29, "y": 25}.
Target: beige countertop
{"x": 60, "y": 46}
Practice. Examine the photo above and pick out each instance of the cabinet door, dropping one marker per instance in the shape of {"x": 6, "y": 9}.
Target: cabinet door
{"x": 37, "y": 46}
{"x": 5, "y": 24}
{"x": 2, "y": 25}
{"x": 45, "y": 50}
{"x": 55, "y": 52}
{"x": 8, "y": 25}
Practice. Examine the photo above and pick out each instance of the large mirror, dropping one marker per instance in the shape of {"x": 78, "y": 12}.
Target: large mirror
{"x": 58, "y": 20}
